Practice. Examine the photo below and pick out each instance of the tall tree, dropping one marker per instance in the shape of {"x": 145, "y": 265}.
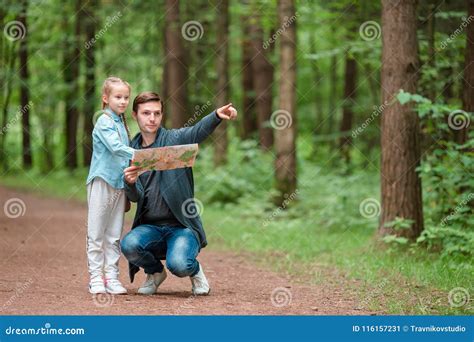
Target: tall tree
{"x": 347, "y": 107}
{"x": 461, "y": 135}
{"x": 89, "y": 12}
{"x": 177, "y": 103}
{"x": 8, "y": 58}
{"x": 71, "y": 61}
{"x": 285, "y": 136}
{"x": 164, "y": 77}
{"x": 332, "y": 94}
{"x": 249, "y": 120}
{"x": 24, "y": 90}
{"x": 317, "y": 79}
{"x": 262, "y": 70}
{"x": 220, "y": 134}
{"x": 401, "y": 185}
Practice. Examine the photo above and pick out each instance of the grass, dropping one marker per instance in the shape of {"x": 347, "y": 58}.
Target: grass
{"x": 321, "y": 237}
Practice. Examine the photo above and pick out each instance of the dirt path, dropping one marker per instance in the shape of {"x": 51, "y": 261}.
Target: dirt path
{"x": 43, "y": 271}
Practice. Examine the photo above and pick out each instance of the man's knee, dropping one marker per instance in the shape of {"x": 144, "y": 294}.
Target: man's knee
{"x": 130, "y": 246}
{"x": 180, "y": 267}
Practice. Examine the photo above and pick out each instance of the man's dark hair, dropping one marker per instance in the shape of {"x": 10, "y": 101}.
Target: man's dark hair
{"x": 146, "y": 96}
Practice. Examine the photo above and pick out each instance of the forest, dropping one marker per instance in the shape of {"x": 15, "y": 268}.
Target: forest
{"x": 351, "y": 160}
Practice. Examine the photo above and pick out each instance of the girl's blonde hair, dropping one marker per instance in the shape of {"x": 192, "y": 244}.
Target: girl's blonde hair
{"x": 106, "y": 89}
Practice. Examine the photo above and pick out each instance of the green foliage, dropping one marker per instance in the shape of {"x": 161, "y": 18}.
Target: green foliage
{"x": 447, "y": 183}
{"x": 247, "y": 173}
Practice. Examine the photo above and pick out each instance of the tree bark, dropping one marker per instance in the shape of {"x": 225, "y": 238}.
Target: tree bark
{"x": 24, "y": 91}
{"x": 8, "y": 59}
{"x": 177, "y": 103}
{"x": 249, "y": 119}
{"x": 220, "y": 134}
{"x": 90, "y": 89}
{"x": 400, "y": 183}
{"x": 71, "y": 78}
{"x": 285, "y": 135}
{"x": 317, "y": 79}
{"x": 262, "y": 70}
{"x": 332, "y": 94}
{"x": 348, "y": 104}
{"x": 461, "y": 135}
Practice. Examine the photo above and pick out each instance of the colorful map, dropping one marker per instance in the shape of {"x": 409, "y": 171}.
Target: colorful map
{"x": 165, "y": 158}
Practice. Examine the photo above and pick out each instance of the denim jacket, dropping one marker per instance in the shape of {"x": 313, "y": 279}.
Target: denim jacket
{"x": 110, "y": 150}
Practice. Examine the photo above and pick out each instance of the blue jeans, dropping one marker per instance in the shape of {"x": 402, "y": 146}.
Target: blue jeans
{"x": 145, "y": 245}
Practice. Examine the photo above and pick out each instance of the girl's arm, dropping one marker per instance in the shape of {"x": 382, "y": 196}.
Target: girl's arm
{"x": 108, "y": 135}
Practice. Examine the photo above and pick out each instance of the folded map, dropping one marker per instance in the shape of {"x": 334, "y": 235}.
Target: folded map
{"x": 165, "y": 158}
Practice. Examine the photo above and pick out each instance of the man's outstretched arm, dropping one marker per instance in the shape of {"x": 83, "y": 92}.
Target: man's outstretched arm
{"x": 200, "y": 131}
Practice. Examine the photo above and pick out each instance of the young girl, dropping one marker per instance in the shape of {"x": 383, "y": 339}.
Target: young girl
{"x": 105, "y": 188}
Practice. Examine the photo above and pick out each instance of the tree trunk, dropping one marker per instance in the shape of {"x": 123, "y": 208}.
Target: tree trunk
{"x": 220, "y": 134}
{"x": 348, "y": 104}
{"x": 24, "y": 90}
{"x": 249, "y": 119}
{"x": 461, "y": 135}
{"x": 431, "y": 47}
{"x": 7, "y": 60}
{"x": 177, "y": 103}
{"x": 89, "y": 93}
{"x": 262, "y": 71}
{"x": 71, "y": 78}
{"x": 400, "y": 184}
{"x": 285, "y": 132}
{"x": 317, "y": 79}
{"x": 164, "y": 79}
{"x": 332, "y": 94}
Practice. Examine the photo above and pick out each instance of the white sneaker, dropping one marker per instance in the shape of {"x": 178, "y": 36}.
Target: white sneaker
{"x": 200, "y": 283}
{"x": 152, "y": 282}
{"x": 96, "y": 285}
{"x": 114, "y": 286}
